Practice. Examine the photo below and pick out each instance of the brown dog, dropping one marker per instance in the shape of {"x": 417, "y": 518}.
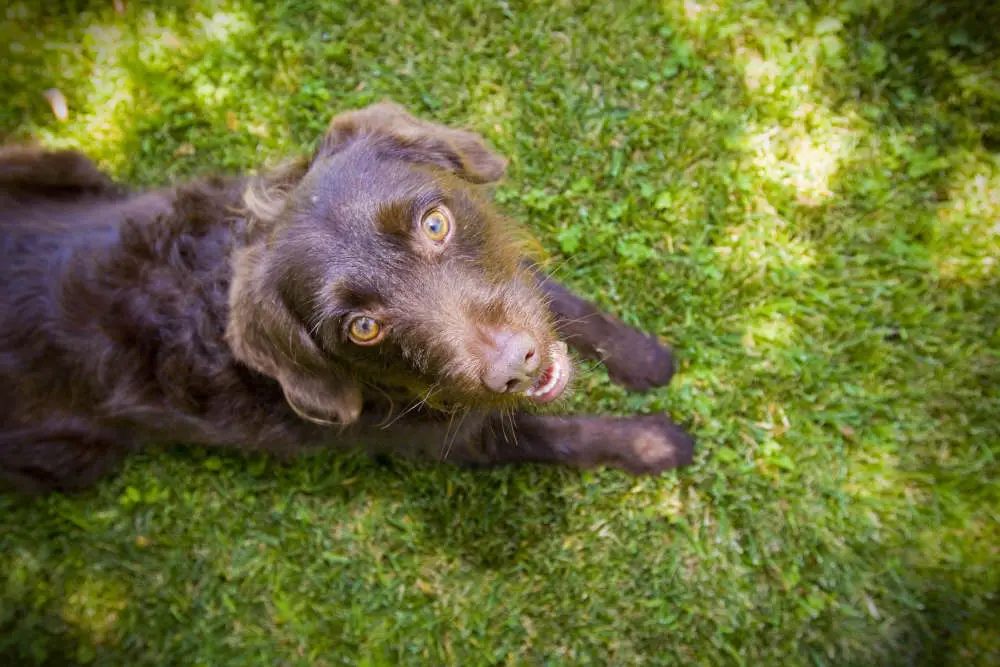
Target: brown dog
{"x": 368, "y": 296}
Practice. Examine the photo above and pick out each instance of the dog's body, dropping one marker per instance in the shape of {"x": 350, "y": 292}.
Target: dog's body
{"x": 298, "y": 310}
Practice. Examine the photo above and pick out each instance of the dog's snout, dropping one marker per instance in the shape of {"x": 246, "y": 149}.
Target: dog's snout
{"x": 511, "y": 359}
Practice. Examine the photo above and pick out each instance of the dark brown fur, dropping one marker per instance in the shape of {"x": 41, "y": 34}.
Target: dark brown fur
{"x": 214, "y": 313}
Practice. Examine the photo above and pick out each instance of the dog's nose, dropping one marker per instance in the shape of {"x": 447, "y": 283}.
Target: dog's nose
{"x": 511, "y": 359}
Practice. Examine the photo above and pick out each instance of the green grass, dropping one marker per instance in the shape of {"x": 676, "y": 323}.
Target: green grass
{"x": 803, "y": 197}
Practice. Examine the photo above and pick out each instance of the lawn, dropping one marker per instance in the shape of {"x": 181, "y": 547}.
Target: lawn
{"x": 802, "y": 197}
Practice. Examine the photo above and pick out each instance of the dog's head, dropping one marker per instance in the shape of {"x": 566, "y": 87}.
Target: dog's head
{"x": 378, "y": 262}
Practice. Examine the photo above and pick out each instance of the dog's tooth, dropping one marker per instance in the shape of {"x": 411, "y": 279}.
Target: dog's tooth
{"x": 553, "y": 379}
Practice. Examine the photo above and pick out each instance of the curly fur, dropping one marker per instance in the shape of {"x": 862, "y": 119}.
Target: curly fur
{"x": 213, "y": 312}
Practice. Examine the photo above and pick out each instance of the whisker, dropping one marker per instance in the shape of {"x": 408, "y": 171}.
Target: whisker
{"x": 503, "y": 426}
{"x": 454, "y": 436}
{"x": 447, "y": 430}
{"x": 562, "y": 321}
{"x": 315, "y": 328}
{"x": 513, "y": 428}
{"x": 550, "y": 273}
{"x": 418, "y": 403}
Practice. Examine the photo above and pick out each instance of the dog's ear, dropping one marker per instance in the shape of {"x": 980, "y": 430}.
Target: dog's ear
{"x": 265, "y": 335}
{"x": 407, "y": 137}
{"x": 266, "y": 194}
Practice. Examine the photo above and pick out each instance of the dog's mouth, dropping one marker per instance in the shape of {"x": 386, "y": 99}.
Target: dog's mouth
{"x": 552, "y": 380}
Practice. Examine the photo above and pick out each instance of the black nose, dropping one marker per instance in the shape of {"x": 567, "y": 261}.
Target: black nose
{"x": 511, "y": 361}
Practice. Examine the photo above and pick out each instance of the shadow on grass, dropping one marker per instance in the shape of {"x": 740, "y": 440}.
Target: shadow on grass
{"x": 30, "y": 635}
{"x": 495, "y": 521}
{"x": 926, "y": 66}
{"x": 243, "y": 526}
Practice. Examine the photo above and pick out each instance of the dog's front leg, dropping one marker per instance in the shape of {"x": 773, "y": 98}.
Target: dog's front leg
{"x": 634, "y": 360}
{"x": 645, "y": 444}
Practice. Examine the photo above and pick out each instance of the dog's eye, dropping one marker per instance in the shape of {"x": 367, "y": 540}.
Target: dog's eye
{"x": 436, "y": 224}
{"x": 365, "y": 330}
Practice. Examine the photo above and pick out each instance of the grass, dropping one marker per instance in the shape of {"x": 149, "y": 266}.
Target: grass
{"x": 803, "y": 197}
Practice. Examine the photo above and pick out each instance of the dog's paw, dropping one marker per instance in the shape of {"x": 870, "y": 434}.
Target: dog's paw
{"x": 656, "y": 445}
{"x": 637, "y": 361}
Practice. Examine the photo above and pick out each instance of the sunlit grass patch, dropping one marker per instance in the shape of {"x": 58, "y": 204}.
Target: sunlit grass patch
{"x": 967, "y": 243}
{"x": 803, "y": 199}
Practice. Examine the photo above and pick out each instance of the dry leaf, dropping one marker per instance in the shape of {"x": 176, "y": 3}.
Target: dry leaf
{"x": 58, "y": 103}
{"x": 872, "y": 609}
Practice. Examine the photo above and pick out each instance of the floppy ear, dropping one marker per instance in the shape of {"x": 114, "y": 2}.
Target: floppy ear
{"x": 265, "y": 335}
{"x": 400, "y": 134}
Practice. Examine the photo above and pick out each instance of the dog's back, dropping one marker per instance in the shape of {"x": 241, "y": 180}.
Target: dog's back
{"x": 112, "y": 301}
{"x": 52, "y": 204}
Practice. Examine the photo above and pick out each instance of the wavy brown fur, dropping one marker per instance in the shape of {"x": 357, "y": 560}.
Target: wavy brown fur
{"x": 214, "y": 312}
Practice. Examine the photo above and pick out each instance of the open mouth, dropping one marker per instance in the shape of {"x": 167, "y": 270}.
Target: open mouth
{"x": 552, "y": 381}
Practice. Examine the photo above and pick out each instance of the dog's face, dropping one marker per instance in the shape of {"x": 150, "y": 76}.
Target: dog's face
{"x": 380, "y": 263}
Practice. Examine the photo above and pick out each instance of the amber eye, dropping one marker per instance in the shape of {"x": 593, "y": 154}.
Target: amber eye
{"x": 364, "y": 330}
{"x": 436, "y": 224}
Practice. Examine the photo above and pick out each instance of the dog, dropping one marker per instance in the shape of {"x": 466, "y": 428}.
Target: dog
{"x": 367, "y": 294}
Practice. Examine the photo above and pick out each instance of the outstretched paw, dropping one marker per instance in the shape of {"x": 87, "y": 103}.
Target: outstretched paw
{"x": 655, "y": 445}
{"x": 637, "y": 361}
